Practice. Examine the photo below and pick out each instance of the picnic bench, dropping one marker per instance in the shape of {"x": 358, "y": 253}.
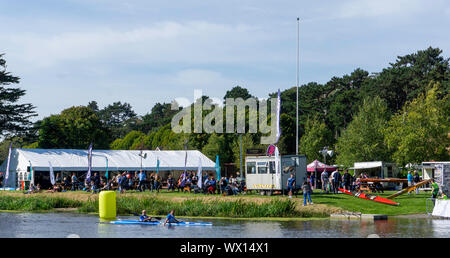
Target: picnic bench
{"x": 368, "y": 184}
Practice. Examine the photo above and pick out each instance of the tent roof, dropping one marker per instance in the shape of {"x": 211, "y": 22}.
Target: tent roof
{"x": 76, "y": 160}
{"x": 371, "y": 164}
{"x": 319, "y": 166}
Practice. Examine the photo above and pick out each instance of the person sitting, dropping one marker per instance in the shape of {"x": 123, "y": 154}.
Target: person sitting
{"x": 187, "y": 185}
{"x": 87, "y": 186}
{"x": 378, "y": 186}
{"x": 234, "y": 189}
{"x": 228, "y": 190}
{"x": 181, "y": 184}
{"x": 241, "y": 186}
{"x": 194, "y": 180}
{"x": 31, "y": 190}
{"x": 205, "y": 185}
{"x": 66, "y": 183}
{"x": 144, "y": 217}
{"x": 223, "y": 184}
{"x": 212, "y": 186}
{"x": 55, "y": 188}
{"x": 171, "y": 218}
{"x": 170, "y": 184}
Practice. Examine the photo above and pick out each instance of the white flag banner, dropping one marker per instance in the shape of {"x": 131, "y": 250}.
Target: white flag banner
{"x": 277, "y": 164}
{"x": 52, "y": 175}
{"x": 278, "y": 116}
{"x": 199, "y": 173}
{"x": 7, "y": 166}
{"x": 88, "y": 175}
{"x": 277, "y": 161}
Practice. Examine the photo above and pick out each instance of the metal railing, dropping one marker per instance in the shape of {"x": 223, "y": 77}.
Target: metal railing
{"x": 430, "y": 205}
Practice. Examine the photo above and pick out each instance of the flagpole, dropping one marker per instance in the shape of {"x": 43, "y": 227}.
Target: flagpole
{"x": 298, "y": 51}
{"x": 7, "y": 166}
{"x": 240, "y": 154}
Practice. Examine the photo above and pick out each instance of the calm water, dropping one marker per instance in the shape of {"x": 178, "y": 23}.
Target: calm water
{"x": 59, "y": 225}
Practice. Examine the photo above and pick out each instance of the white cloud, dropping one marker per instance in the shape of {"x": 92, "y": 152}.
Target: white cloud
{"x": 166, "y": 42}
{"x": 375, "y": 8}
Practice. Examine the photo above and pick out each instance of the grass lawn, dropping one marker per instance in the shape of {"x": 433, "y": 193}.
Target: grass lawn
{"x": 324, "y": 204}
{"x": 409, "y": 204}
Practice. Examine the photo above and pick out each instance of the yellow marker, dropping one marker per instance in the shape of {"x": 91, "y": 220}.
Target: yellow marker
{"x": 107, "y": 204}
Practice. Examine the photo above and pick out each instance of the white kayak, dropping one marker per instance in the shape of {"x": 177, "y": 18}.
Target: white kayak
{"x": 137, "y": 222}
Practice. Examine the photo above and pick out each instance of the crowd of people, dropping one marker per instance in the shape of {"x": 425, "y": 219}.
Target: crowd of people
{"x": 144, "y": 181}
{"x": 331, "y": 182}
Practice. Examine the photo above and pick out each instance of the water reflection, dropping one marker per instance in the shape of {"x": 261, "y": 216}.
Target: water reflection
{"x": 262, "y": 229}
{"x": 61, "y": 225}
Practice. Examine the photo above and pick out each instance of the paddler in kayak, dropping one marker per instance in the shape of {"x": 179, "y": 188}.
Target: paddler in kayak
{"x": 144, "y": 217}
{"x": 171, "y": 218}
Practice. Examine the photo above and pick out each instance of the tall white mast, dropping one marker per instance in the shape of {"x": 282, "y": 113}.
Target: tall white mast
{"x": 298, "y": 52}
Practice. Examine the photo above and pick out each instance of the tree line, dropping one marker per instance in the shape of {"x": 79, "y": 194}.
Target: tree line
{"x": 400, "y": 114}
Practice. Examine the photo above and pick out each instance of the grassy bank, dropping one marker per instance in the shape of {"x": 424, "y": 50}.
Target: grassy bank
{"x": 158, "y": 205}
{"x": 190, "y": 205}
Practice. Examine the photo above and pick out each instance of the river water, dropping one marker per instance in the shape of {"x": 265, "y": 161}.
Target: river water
{"x": 61, "y": 225}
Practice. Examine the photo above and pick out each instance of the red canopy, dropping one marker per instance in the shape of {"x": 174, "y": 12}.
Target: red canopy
{"x": 319, "y": 167}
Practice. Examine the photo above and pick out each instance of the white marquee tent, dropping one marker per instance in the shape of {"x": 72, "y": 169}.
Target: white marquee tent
{"x": 118, "y": 160}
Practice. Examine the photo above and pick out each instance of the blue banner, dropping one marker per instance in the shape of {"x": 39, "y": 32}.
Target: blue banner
{"x": 217, "y": 167}
{"x": 157, "y": 166}
{"x": 88, "y": 175}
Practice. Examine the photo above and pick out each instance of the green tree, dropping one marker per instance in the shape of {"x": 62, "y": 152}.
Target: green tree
{"x": 421, "y": 131}
{"x": 247, "y": 143}
{"x": 316, "y": 136}
{"x": 131, "y": 141}
{"x": 215, "y": 145}
{"x": 160, "y": 115}
{"x": 363, "y": 139}
{"x": 14, "y": 118}
{"x": 74, "y": 128}
{"x": 408, "y": 77}
{"x": 238, "y": 92}
{"x": 119, "y": 118}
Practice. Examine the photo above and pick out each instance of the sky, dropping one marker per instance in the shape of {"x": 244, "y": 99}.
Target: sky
{"x": 70, "y": 52}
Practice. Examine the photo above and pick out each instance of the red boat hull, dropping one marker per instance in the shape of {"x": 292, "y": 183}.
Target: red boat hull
{"x": 370, "y": 197}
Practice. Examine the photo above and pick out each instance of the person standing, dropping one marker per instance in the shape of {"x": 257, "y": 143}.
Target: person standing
{"x": 291, "y": 185}
{"x": 157, "y": 183}
{"x": 73, "y": 180}
{"x": 170, "y": 184}
{"x": 434, "y": 190}
{"x": 306, "y": 187}
{"x": 347, "y": 180}
{"x": 416, "y": 180}
{"x": 124, "y": 182}
{"x": 410, "y": 180}
{"x": 313, "y": 180}
{"x": 130, "y": 181}
{"x": 336, "y": 177}
{"x": 142, "y": 179}
{"x": 324, "y": 178}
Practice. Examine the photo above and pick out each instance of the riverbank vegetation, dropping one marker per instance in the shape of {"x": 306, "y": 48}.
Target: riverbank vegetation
{"x": 410, "y": 125}
{"x": 247, "y": 206}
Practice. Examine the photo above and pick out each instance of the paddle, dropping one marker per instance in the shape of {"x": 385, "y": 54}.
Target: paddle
{"x": 157, "y": 218}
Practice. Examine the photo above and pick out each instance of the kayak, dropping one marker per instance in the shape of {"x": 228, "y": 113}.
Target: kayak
{"x": 137, "y": 222}
{"x": 369, "y": 197}
{"x": 409, "y": 189}
{"x": 134, "y": 222}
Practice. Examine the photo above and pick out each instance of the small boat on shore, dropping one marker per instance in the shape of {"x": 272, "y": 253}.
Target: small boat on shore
{"x": 369, "y": 197}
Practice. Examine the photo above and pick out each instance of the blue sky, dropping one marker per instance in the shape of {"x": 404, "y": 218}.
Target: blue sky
{"x": 69, "y": 52}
